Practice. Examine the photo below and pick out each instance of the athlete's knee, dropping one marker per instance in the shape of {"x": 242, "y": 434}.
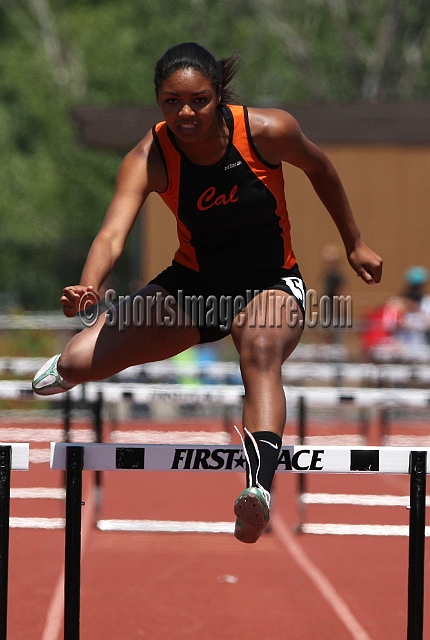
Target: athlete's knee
{"x": 260, "y": 351}
{"x": 73, "y": 364}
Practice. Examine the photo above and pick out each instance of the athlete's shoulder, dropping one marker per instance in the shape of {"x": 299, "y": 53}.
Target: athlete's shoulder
{"x": 272, "y": 123}
{"x": 144, "y": 162}
{"x": 278, "y": 137}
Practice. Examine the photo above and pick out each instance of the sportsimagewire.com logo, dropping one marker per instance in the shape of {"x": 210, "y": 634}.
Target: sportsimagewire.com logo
{"x": 222, "y": 311}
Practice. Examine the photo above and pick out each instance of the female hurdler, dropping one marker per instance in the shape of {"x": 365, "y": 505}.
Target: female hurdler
{"x": 217, "y": 166}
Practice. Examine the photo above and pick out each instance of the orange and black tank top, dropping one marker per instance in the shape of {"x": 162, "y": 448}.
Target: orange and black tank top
{"x": 232, "y": 216}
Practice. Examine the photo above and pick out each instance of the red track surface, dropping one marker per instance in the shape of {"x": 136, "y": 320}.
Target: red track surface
{"x": 210, "y": 586}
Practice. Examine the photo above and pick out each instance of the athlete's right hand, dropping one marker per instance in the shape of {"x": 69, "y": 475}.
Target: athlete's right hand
{"x": 76, "y": 298}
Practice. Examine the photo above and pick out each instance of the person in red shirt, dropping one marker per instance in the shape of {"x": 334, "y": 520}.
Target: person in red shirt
{"x": 218, "y": 167}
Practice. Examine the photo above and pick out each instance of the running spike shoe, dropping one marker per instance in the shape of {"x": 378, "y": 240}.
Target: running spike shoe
{"x": 252, "y": 509}
{"x": 48, "y": 382}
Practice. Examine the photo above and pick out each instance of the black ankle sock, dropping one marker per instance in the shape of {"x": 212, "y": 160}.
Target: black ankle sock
{"x": 269, "y": 445}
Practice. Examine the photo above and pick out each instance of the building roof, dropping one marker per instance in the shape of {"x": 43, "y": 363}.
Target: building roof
{"x": 359, "y": 123}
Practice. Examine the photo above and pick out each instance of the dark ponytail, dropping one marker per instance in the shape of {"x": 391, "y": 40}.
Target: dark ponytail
{"x": 190, "y": 55}
{"x": 229, "y": 67}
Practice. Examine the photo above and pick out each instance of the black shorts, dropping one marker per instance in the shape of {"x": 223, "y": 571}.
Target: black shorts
{"x": 212, "y": 302}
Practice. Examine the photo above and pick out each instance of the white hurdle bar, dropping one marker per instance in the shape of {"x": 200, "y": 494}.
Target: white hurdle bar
{"x": 212, "y": 458}
{"x": 192, "y": 457}
{"x": 231, "y": 394}
{"x": 12, "y": 456}
{"x": 298, "y": 398}
{"x": 226, "y": 395}
{"x": 313, "y": 368}
{"x": 113, "y": 392}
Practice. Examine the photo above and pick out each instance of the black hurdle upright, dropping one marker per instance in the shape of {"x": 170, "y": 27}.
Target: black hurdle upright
{"x": 67, "y": 410}
{"x": 98, "y": 434}
{"x": 72, "y": 566}
{"x": 5, "y": 468}
{"x": 417, "y": 521}
{"x": 301, "y": 480}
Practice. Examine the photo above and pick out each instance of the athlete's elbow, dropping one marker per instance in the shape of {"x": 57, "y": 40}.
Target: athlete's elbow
{"x": 111, "y": 244}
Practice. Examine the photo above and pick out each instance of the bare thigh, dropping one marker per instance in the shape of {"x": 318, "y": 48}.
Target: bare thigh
{"x": 152, "y": 328}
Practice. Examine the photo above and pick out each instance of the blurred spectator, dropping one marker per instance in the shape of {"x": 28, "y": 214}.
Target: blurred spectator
{"x": 407, "y": 317}
{"x": 331, "y": 273}
{"x": 332, "y": 281}
{"x": 400, "y": 329}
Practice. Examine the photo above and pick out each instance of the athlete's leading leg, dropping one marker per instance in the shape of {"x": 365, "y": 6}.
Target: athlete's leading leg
{"x": 142, "y": 329}
{"x": 265, "y": 334}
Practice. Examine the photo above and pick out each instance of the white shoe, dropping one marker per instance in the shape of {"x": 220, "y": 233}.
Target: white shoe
{"x": 48, "y": 382}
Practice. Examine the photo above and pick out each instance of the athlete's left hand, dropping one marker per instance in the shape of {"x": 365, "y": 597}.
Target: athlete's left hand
{"x": 366, "y": 263}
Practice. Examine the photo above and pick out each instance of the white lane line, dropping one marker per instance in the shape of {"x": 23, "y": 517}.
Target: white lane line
{"x": 362, "y": 500}
{"x": 36, "y": 523}
{"x": 51, "y": 493}
{"x": 328, "y": 440}
{"x": 55, "y": 614}
{"x": 172, "y": 526}
{"x": 170, "y": 437}
{"x": 39, "y": 456}
{"x": 23, "y": 434}
{"x": 406, "y": 441}
{"x": 327, "y": 528}
{"x": 320, "y": 581}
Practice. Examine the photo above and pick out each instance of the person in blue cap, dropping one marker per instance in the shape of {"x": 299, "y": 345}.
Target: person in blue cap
{"x": 408, "y": 315}
{"x": 416, "y": 278}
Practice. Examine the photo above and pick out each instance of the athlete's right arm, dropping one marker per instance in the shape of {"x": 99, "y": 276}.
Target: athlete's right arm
{"x": 141, "y": 172}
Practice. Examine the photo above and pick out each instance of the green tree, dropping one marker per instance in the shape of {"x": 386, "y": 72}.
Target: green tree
{"x": 59, "y": 54}
{"x": 348, "y": 50}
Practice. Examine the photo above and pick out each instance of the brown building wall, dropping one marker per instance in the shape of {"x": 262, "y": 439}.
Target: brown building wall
{"x": 389, "y": 190}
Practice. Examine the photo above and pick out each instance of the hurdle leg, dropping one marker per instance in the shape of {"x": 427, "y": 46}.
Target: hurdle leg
{"x": 418, "y": 470}
{"x": 98, "y": 432}
{"x": 384, "y": 423}
{"x": 364, "y": 422}
{"x": 67, "y": 410}
{"x": 301, "y": 479}
{"x": 5, "y": 467}
{"x": 72, "y": 567}
{"x": 226, "y": 420}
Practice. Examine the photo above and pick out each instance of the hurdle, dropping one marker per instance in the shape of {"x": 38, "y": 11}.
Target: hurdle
{"x": 100, "y": 394}
{"x": 232, "y": 394}
{"x": 107, "y": 393}
{"x": 299, "y": 398}
{"x": 312, "y": 364}
{"x": 12, "y": 456}
{"x": 75, "y": 459}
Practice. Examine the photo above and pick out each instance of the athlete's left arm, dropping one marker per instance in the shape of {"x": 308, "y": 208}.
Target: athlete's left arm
{"x": 278, "y": 138}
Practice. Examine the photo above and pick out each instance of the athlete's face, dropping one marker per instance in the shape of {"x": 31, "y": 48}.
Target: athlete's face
{"x": 188, "y": 101}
